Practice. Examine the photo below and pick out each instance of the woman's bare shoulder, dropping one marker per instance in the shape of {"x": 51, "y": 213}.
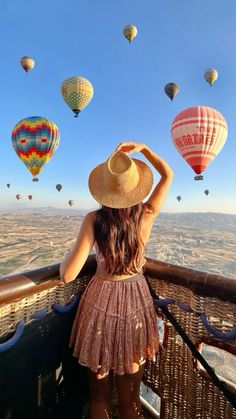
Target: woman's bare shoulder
{"x": 93, "y": 213}
{"x": 90, "y": 217}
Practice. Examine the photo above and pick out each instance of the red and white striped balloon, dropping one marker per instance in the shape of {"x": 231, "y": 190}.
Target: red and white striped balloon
{"x": 199, "y": 133}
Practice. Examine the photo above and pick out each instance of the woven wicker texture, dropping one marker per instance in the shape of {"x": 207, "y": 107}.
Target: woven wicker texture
{"x": 184, "y": 392}
{"x": 49, "y": 389}
{"x": 11, "y": 314}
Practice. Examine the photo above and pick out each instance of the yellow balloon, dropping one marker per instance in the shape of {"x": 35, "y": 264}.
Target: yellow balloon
{"x": 130, "y": 32}
{"x": 77, "y": 93}
{"x": 211, "y": 75}
{"x": 27, "y": 63}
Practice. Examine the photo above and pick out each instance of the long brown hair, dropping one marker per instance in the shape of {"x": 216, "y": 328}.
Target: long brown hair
{"x": 117, "y": 233}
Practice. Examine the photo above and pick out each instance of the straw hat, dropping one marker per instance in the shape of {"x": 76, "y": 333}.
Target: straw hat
{"x": 120, "y": 182}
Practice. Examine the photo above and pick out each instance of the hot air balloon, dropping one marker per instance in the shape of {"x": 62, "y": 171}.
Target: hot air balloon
{"x": 18, "y": 196}
{"x": 199, "y": 133}
{"x": 171, "y": 90}
{"x": 206, "y": 192}
{"x": 178, "y": 198}
{"x": 211, "y": 75}
{"x": 58, "y": 187}
{"x": 71, "y": 202}
{"x": 77, "y": 93}
{"x": 8, "y": 185}
{"x": 35, "y": 179}
{"x": 35, "y": 140}
{"x": 130, "y": 32}
{"x": 30, "y": 197}
{"x": 27, "y": 63}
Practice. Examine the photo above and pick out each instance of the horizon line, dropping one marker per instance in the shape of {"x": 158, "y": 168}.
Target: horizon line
{"x": 13, "y": 209}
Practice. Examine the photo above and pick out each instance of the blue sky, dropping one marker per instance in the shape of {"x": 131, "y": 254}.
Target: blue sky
{"x": 176, "y": 41}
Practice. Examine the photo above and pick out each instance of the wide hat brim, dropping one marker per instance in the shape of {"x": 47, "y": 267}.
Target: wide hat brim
{"x": 114, "y": 199}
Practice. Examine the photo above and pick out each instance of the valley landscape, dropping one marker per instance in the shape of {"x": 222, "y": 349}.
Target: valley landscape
{"x": 202, "y": 241}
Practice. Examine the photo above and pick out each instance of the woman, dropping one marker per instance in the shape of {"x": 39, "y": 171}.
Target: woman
{"x": 115, "y": 328}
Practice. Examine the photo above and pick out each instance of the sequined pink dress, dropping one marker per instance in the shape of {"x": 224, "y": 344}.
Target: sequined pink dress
{"x": 115, "y": 323}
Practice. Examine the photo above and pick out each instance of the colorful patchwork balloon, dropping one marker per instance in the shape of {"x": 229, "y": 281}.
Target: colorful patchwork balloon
{"x": 35, "y": 140}
{"x": 27, "y": 63}
{"x": 199, "y": 133}
{"x": 77, "y": 92}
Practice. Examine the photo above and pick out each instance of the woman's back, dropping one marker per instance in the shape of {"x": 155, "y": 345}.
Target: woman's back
{"x": 146, "y": 223}
{"x": 101, "y": 270}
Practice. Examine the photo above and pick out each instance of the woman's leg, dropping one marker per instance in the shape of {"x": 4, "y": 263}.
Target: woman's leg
{"x": 128, "y": 387}
{"x": 100, "y": 394}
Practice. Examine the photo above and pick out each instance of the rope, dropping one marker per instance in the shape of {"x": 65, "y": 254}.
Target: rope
{"x": 163, "y": 302}
{"x": 39, "y": 314}
{"x": 14, "y": 339}
{"x": 220, "y": 384}
{"x": 210, "y": 329}
{"x": 65, "y": 309}
{"x": 217, "y": 333}
{"x": 186, "y": 307}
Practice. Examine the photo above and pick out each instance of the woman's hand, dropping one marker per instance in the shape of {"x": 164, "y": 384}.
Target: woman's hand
{"x": 130, "y": 147}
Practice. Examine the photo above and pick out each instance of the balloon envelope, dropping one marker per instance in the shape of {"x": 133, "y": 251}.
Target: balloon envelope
{"x": 58, "y": 187}
{"x": 27, "y": 63}
{"x": 71, "y": 202}
{"x": 130, "y": 32}
{"x": 18, "y": 196}
{"x": 171, "y": 90}
{"x": 206, "y": 192}
{"x": 8, "y": 185}
{"x": 211, "y": 75}
{"x": 35, "y": 140}
{"x": 77, "y": 92}
{"x": 199, "y": 133}
{"x": 178, "y": 198}
{"x": 30, "y": 197}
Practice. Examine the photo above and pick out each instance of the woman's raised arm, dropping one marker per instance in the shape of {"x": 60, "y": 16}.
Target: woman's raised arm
{"x": 158, "y": 195}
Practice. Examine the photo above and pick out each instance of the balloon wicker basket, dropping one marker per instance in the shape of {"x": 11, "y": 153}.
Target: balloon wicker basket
{"x": 39, "y": 374}
{"x": 198, "y": 177}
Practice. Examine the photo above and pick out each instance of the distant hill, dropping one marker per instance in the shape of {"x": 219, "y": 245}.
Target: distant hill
{"x": 204, "y": 220}
{"x": 47, "y": 211}
{"x": 193, "y": 220}
{"x": 35, "y": 237}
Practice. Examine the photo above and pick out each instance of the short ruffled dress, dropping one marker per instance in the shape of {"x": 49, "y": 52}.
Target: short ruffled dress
{"x": 116, "y": 323}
